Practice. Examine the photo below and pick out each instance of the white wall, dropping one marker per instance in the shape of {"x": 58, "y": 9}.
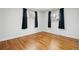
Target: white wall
{"x": 71, "y": 24}
{"x": 42, "y": 20}
{"x": 2, "y": 15}
{"x": 11, "y": 22}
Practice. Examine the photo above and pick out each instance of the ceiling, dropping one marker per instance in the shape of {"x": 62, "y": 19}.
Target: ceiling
{"x": 43, "y": 9}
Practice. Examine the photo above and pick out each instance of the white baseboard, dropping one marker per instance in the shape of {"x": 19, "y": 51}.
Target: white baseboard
{"x": 9, "y": 38}
{"x": 70, "y": 36}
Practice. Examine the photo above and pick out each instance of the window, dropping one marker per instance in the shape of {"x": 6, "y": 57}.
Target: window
{"x": 55, "y": 15}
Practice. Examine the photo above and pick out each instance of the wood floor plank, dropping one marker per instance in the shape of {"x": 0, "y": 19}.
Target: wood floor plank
{"x": 40, "y": 41}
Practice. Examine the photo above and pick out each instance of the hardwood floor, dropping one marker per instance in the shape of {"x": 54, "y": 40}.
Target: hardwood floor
{"x": 40, "y": 41}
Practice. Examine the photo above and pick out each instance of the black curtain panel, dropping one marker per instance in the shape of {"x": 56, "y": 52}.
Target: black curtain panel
{"x": 24, "y": 21}
{"x": 49, "y": 19}
{"x": 36, "y": 19}
{"x": 61, "y": 20}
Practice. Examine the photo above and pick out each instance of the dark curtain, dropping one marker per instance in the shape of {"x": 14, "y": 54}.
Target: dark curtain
{"x": 61, "y": 20}
{"x": 24, "y": 21}
{"x": 49, "y": 19}
{"x": 36, "y": 19}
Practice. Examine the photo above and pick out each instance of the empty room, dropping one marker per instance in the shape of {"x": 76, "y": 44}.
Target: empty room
{"x": 39, "y": 28}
